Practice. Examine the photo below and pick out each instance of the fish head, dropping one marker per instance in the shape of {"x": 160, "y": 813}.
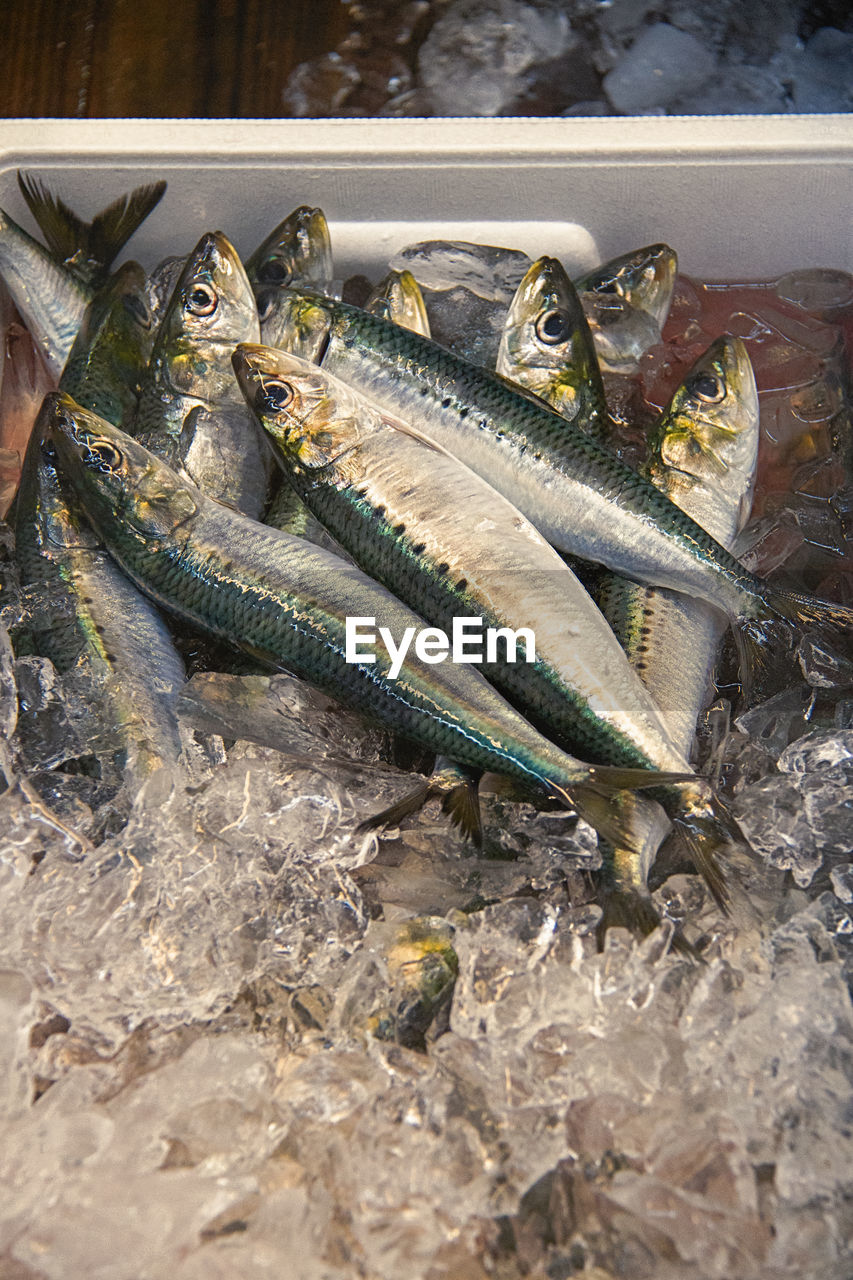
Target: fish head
{"x": 546, "y": 345}
{"x": 119, "y": 484}
{"x": 296, "y": 319}
{"x": 117, "y": 330}
{"x": 398, "y": 298}
{"x": 298, "y": 250}
{"x": 707, "y": 437}
{"x": 42, "y": 501}
{"x": 644, "y": 279}
{"x": 312, "y": 418}
{"x": 211, "y": 309}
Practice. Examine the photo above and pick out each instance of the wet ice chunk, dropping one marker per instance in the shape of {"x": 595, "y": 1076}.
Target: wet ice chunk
{"x": 467, "y": 290}
{"x": 662, "y": 65}
{"x": 822, "y": 75}
{"x": 488, "y": 271}
{"x": 474, "y": 60}
{"x": 736, "y": 88}
{"x": 842, "y": 882}
{"x": 819, "y": 751}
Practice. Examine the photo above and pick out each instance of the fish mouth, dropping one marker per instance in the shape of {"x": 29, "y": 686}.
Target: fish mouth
{"x": 738, "y": 368}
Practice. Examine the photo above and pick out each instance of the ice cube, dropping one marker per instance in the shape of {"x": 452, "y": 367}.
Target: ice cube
{"x": 662, "y": 65}
{"x": 474, "y": 60}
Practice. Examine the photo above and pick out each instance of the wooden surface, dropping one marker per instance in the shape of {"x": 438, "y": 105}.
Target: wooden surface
{"x": 158, "y": 57}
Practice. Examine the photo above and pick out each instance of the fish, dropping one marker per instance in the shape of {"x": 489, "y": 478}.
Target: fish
{"x": 51, "y": 299}
{"x": 398, "y": 297}
{"x": 287, "y": 602}
{"x": 91, "y": 622}
{"x": 107, "y": 362}
{"x": 575, "y": 491}
{"x": 703, "y": 453}
{"x": 25, "y": 382}
{"x": 190, "y": 409}
{"x": 297, "y": 251}
{"x": 430, "y": 530}
{"x": 546, "y": 347}
{"x": 88, "y": 249}
{"x": 627, "y": 301}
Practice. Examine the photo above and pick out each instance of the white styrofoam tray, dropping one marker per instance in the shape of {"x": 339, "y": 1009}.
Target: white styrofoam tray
{"x": 737, "y": 197}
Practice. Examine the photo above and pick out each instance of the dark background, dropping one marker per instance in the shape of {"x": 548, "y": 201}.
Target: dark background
{"x": 158, "y": 57}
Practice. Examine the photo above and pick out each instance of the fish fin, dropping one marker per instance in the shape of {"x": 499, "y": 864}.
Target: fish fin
{"x": 702, "y": 837}
{"x": 69, "y": 236}
{"x": 594, "y": 803}
{"x": 459, "y": 802}
{"x": 634, "y": 911}
{"x": 462, "y": 806}
{"x": 788, "y": 614}
{"x": 113, "y": 226}
{"x": 395, "y": 813}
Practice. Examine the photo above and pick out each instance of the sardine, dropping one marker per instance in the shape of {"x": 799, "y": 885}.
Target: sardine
{"x": 626, "y": 302}
{"x": 50, "y": 298}
{"x": 88, "y": 619}
{"x": 581, "y": 497}
{"x": 297, "y": 251}
{"x": 398, "y": 297}
{"x": 287, "y": 602}
{"x": 449, "y": 546}
{"x": 191, "y": 411}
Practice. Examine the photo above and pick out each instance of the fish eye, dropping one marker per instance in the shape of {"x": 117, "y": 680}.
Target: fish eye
{"x": 274, "y": 271}
{"x": 553, "y": 327}
{"x": 103, "y": 456}
{"x": 708, "y": 388}
{"x": 275, "y": 394}
{"x": 201, "y": 299}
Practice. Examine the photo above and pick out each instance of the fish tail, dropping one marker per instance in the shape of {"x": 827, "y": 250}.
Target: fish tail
{"x": 594, "y": 801}
{"x": 68, "y": 235}
{"x": 785, "y": 617}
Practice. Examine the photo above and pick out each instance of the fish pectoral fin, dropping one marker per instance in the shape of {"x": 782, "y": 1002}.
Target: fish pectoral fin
{"x": 397, "y": 812}
{"x": 460, "y": 802}
{"x": 462, "y": 806}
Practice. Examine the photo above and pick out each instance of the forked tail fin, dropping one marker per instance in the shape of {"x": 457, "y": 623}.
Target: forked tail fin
{"x": 88, "y": 247}
{"x": 762, "y": 641}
